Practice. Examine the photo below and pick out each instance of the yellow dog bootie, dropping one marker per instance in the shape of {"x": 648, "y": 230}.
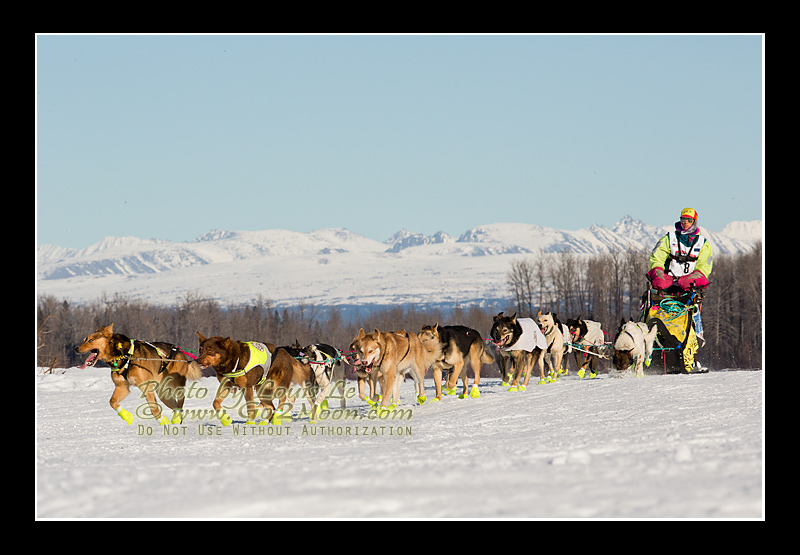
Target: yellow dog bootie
{"x": 125, "y": 415}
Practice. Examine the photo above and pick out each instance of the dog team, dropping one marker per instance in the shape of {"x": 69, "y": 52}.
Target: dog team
{"x": 381, "y": 361}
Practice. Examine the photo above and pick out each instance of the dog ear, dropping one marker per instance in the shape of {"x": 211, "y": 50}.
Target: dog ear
{"x": 107, "y": 331}
{"x": 200, "y": 336}
{"x": 361, "y": 334}
{"x": 539, "y": 314}
{"x": 514, "y": 318}
{"x": 226, "y": 343}
{"x": 496, "y": 318}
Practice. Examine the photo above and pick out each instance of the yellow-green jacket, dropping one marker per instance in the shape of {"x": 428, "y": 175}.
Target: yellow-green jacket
{"x": 664, "y": 251}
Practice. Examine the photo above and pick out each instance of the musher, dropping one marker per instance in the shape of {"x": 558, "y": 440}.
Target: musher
{"x": 683, "y": 255}
{"x": 683, "y": 260}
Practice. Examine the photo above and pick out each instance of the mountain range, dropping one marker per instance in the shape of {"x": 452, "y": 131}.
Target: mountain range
{"x": 335, "y": 266}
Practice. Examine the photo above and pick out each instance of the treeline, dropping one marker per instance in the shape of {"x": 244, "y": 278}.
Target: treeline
{"x": 603, "y": 287}
{"x": 608, "y": 288}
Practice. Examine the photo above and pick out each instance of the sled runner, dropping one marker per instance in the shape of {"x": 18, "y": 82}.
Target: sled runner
{"x": 676, "y": 314}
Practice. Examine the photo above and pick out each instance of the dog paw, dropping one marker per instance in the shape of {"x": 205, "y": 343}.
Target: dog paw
{"x": 125, "y": 415}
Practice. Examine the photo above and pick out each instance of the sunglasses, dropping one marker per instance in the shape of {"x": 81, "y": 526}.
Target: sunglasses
{"x": 687, "y": 219}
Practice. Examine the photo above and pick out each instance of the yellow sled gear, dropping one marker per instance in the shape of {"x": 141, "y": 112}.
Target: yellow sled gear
{"x": 690, "y": 351}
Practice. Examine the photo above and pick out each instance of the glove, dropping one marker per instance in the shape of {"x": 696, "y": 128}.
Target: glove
{"x": 695, "y": 279}
{"x": 659, "y": 279}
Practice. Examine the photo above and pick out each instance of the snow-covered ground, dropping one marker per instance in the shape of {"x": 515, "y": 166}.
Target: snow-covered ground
{"x": 677, "y": 446}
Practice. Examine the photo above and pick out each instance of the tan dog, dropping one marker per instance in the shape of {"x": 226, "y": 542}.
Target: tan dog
{"x": 155, "y": 368}
{"x": 241, "y": 364}
{"x": 362, "y": 375}
{"x": 553, "y": 331}
{"x": 448, "y": 348}
{"x": 387, "y": 357}
{"x": 633, "y": 347}
{"x": 289, "y": 367}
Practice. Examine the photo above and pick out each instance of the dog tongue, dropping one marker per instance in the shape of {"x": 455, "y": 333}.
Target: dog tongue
{"x": 89, "y": 360}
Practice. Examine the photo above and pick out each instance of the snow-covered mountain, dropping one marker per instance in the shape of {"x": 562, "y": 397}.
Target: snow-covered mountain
{"x": 404, "y": 239}
{"x": 335, "y": 266}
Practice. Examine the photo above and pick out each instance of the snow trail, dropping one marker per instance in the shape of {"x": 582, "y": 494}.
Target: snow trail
{"x": 663, "y": 446}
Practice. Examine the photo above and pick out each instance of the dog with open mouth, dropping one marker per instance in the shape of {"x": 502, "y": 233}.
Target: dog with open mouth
{"x": 362, "y": 372}
{"x": 386, "y": 357}
{"x": 160, "y": 370}
{"x": 524, "y": 343}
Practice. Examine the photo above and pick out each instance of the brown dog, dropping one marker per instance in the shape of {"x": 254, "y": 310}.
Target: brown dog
{"x": 386, "y": 357}
{"x": 450, "y": 347}
{"x": 242, "y": 364}
{"x": 289, "y": 366}
{"x": 155, "y": 368}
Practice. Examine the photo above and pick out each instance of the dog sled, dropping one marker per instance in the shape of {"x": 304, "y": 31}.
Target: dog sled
{"x": 676, "y": 314}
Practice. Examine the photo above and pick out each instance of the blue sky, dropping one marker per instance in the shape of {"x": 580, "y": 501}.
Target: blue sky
{"x": 172, "y": 136}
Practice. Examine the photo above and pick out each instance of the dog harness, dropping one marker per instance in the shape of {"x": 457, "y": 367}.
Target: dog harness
{"x": 259, "y": 356}
{"x": 327, "y": 362}
{"x": 120, "y": 364}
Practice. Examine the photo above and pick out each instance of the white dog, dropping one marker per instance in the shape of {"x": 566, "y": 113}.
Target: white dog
{"x": 326, "y": 362}
{"x": 633, "y": 346}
